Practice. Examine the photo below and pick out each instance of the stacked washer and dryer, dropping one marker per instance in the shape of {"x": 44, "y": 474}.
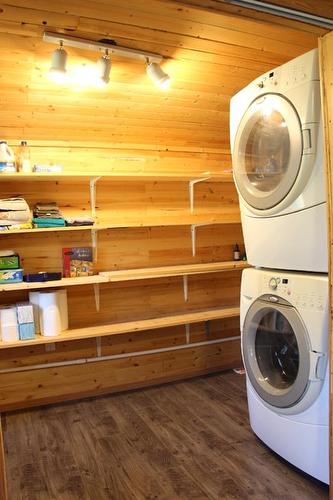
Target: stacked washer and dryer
{"x": 278, "y": 165}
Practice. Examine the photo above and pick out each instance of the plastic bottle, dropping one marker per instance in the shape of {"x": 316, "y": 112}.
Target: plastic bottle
{"x": 24, "y": 162}
{"x": 236, "y": 252}
{"x": 7, "y": 158}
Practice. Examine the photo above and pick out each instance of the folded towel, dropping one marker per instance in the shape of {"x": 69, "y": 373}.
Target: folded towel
{"x": 14, "y": 215}
{"x": 79, "y": 221}
{"x": 13, "y": 204}
{"x": 26, "y": 225}
{"x": 40, "y": 222}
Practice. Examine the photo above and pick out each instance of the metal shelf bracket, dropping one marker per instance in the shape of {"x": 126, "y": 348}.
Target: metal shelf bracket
{"x": 97, "y": 299}
{"x": 191, "y": 185}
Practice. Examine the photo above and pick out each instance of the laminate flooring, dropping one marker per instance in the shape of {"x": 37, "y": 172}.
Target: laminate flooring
{"x": 186, "y": 440}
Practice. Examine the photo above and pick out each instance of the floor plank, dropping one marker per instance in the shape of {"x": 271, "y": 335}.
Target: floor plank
{"x": 187, "y": 440}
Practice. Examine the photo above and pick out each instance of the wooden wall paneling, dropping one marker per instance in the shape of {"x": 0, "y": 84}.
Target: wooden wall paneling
{"x": 3, "y": 475}
{"x": 24, "y": 389}
{"x": 132, "y": 127}
{"x": 60, "y": 352}
{"x": 255, "y": 15}
{"x": 326, "y": 65}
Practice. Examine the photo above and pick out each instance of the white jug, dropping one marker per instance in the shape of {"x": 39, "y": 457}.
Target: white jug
{"x": 7, "y": 158}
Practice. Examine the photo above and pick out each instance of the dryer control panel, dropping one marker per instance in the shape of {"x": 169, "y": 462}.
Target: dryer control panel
{"x": 300, "y": 291}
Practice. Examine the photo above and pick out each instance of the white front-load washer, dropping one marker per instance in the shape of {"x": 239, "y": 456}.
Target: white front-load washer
{"x": 284, "y": 332}
{"x": 278, "y": 167}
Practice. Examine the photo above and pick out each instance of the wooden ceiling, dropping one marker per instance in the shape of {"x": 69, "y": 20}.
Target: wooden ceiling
{"x": 209, "y": 54}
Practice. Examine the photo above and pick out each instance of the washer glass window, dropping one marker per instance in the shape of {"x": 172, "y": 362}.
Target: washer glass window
{"x": 277, "y": 350}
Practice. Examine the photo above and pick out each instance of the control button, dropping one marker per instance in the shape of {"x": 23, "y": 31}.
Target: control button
{"x": 260, "y": 85}
{"x": 273, "y": 283}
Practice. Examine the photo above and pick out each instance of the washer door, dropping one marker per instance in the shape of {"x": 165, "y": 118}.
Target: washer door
{"x": 276, "y": 353}
{"x": 268, "y": 151}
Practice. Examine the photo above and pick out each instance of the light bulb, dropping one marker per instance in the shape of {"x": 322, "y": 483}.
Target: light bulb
{"x": 57, "y": 71}
{"x": 103, "y": 68}
{"x": 158, "y": 76}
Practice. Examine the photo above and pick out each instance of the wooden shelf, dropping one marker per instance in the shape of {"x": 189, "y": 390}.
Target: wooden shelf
{"x": 174, "y": 220}
{"x": 64, "y": 282}
{"x": 129, "y": 275}
{"x": 129, "y": 327}
{"x": 117, "y": 176}
{"x": 181, "y": 270}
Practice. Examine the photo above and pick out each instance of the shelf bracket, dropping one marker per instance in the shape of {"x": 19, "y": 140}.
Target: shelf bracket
{"x": 185, "y": 287}
{"x": 194, "y": 236}
{"x": 96, "y": 293}
{"x": 92, "y": 185}
{"x": 191, "y": 190}
{"x": 207, "y": 328}
{"x": 99, "y": 346}
{"x": 94, "y": 243}
{"x": 187, "y": 333}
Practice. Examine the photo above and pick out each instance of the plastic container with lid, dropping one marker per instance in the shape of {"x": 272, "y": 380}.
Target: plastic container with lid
{"x": 7, "y": 158}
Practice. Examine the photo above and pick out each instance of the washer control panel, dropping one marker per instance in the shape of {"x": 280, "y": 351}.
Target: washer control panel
{"x": 299, "y": 291}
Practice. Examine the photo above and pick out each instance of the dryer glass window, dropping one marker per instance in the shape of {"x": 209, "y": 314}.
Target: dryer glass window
{"x": 277, "y": 350}
{"x": 267, "y": 149}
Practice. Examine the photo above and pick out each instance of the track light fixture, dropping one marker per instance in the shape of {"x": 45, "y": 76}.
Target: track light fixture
{"x": 58, "y": 64}
{"x": 103, "y": 68}
{"x": 157, "y": 75}
{"x": 103, "y": 65}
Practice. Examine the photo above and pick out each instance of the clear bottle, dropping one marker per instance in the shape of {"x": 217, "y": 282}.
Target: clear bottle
{"x": 24, "y": 162}
{"x": 236, "y": 252}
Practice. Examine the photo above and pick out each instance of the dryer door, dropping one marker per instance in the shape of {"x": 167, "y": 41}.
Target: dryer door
{"x": 276, "y": 352}
{"x": 267, "y": 151}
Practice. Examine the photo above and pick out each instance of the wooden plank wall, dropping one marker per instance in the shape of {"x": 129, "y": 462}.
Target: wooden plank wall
{"x": 131, "y": 127}
{"x": 326, "y": 57}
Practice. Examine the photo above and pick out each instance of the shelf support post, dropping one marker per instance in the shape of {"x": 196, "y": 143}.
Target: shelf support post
{"x": 96, "y": 293}
{"x": 92, "y": 185}
{"x": 94, "y": 243}
{"x": 191, "y": 190}
{"x": 185, "y": 287}
{"x": 194, "y": 236}
{"x": 187, "y": 332}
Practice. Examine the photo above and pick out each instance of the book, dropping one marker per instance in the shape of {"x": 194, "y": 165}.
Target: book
{"x": 77, "y": 261}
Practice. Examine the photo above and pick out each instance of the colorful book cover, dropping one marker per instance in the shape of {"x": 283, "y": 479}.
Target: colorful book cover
{"x": 77, "y": 261}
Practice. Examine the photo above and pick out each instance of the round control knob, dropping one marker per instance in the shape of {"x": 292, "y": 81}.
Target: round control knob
{"x": 273, "y": 283}
{"x": 260, "y": 85}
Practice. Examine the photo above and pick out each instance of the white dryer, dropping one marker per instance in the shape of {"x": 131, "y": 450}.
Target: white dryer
{"x": 284, "y": 331}
{"x": 277, "y": 156}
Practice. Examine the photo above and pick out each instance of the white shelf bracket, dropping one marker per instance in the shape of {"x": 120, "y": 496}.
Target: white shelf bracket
{"x": 187, "y": 333}
{"x": 191, "y": 190}
{"x": 185, "y": 287}
{"x": 92, "y": 185}
{"x": 99, "y": 346}
{"x": 194, "y": 236}
{"x": 96, "y": 293}
{"x": 94, "y": 243}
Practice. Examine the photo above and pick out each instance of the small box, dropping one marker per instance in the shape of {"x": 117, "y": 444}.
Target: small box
{"x": 26, "y": 331}
{"x": 77, "y": 261}
{"x": 11, "y": 275}
{"x": 10, "y": 262}
{"x": 24, "y": 312}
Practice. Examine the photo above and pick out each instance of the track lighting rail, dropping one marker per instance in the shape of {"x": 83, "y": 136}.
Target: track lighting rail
{"x": 81, "y": 43}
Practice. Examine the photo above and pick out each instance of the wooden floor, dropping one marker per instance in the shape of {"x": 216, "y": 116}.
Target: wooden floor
{"x": 188, "y": 440}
